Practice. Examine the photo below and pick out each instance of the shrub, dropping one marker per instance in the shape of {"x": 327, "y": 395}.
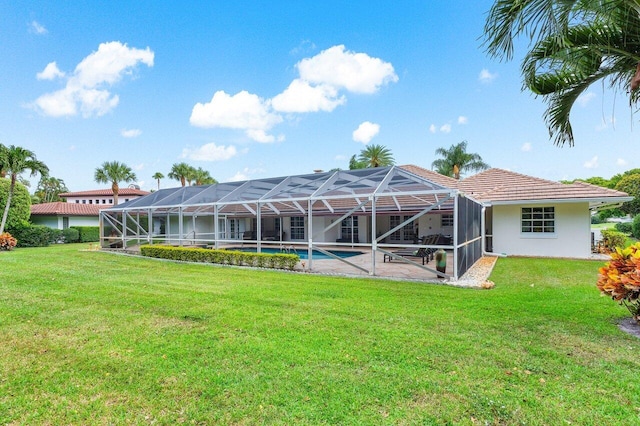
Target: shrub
{"x": 224, "y": 257}
{"x": 88, "y": 234}
{"x": 624, "y": 227}
{"x": 20, "y": 209}
{"x": 7, "y": 242}
{"x": 596, "y": 219}
{"x": 70, "y": 235}
{"x": 635, "y": 227}
{"x": 620, "y": 278}
{"x": 34, "y": 235}
{"x": 612, "y": 239}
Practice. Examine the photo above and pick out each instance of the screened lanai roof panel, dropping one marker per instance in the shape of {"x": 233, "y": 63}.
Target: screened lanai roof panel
{"x": 337, "y": 187}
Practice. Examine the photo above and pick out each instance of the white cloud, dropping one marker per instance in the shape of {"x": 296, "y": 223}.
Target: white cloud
{"x": 37, "y": 28}
{"x": 591, "y": 164}
{"x": 365, "y": 132}
{"x": 445, "y": 128}
{"x": 526, "y": 147}
{"x": 130, "y": 133}
{"x": 138, "y": 167}
{"x": 463, "y": 120}
{"x": 433, "y": 128}
{"x": 50, "y": 72}
{"x": 300, "y": 96}
{"x": 210, "y": 152}
{"x": 340, "y": 68}
{"x": 85, "y": 90}
{"x": 340, "y": 157}
{"x": 584, "y": 99}
{"x": 622, "y": 162}
{"x": 486, "y": 77}
{"x": 245, "y": 174}
{"x": 241, "y": 111}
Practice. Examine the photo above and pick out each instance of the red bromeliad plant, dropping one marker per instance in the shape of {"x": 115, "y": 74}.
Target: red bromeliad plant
{"x": 620, "y": 278}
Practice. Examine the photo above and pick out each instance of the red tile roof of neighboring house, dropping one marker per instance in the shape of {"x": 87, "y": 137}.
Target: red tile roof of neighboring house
{"x": 103, "y": 192}
{"x": 504, "y": 186}
{"x": 66, "y": 209}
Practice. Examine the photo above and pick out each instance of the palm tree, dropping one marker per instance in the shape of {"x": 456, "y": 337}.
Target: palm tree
{"x": 157, "y": 176}
{"x": 574, "y": 44}
{"x": 456, "y": 160}
{"x": 180, "y": 171}
{"x": 375, "y": 156}
{"x": 49, "y": 189}
{"x": 14, "y": 161}
{"x": 114, "y": 172}
{"x": 202, "y": 177}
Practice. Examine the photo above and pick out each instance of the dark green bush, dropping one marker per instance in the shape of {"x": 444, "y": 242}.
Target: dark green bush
{"x": 70, "y": 235}
{"x": 624, "y": 227}
{"x": 224, "y": 257}
{"x": 88, "y": 234}
{"x": 33, "y": 235}
{"x": 596, "y": 219}
{"x": 635, "y": 227}
{"x": 612, "y": 239}
{"x": 20, "y": 209}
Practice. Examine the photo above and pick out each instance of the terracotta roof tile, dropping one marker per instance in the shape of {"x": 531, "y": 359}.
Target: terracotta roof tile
{"x": 66, "y": 209}
{"x": 434, "y": 177}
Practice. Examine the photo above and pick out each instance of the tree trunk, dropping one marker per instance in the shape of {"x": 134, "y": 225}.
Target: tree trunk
{"x": 115, "y": 189}
{"x": 6, "y": 207}
{"x": 635, "y": 81}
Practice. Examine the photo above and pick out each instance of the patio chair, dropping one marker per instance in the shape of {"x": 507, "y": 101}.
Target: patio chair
{"x": 425, "y": 253}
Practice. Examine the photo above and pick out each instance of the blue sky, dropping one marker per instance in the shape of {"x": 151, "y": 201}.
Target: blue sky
{"x": 258, "y": 89}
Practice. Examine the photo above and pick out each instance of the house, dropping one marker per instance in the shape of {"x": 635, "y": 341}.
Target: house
{"x": 529, "y": 216}
{"x": 80, "y": 208}
{"x": 380, "y": 209}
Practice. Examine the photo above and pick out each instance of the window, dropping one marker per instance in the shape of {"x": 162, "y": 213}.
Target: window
{"x": 90, "y": 201}
{"x": 84, "y": 201}
{"x": 538, "y": 220}
{"x": 446, "y": 220}
{"x": 97, "y": 201}
{"x": 348, "y": 224}
{"x": 77, "y": 201}
{"x": 297, "y": 228}
{"x": 406, "y": 233}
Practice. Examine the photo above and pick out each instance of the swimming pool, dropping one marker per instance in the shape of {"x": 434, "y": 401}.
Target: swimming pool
{"x": 303, "y": 253}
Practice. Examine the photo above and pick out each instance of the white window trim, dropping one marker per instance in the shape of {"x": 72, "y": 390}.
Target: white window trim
{"x": 539, "y": 235}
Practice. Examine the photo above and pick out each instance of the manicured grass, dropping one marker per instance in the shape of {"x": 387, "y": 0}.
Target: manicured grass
{"x": 96, "y": 338}
{"x": 604, "y": 225}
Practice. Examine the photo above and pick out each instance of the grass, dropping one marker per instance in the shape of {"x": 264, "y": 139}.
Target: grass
{"x": 90, "y": 337}
{"x": 604, "y": 225}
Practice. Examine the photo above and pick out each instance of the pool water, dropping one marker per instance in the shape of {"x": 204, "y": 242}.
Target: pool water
{"x": 303, "y": 253}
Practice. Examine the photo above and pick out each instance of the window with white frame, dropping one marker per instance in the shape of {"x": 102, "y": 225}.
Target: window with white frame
{"x": 538, "y": 220}
{"x": 349, "y": 224}
{"x": 406, "y": 233}
{"x": 297, "y": 228}
{"x": 446, "y": 220}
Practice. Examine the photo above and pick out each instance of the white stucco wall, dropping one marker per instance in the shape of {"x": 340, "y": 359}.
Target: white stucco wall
{"x": 56, "y": 222}
{"x": 571, "y": 239}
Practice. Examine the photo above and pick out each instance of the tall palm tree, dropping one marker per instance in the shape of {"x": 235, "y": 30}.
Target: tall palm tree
{"x": 202, "y": 177}
{"x": 14, "y": 161}
{"x": 457, "y": 160}
{"x": 114, "y": 172}
{"x": 376, "y": 156}
{"x": 574, "y": 44}
{"x": 180, "y": 171}
{"x": 157, "y": 176}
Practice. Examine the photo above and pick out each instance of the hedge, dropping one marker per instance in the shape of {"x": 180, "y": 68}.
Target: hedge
{"x": 88, "y": 234}
{"x": 34, "y": 235}
{"x": 224, "y": 257}
{"x": 612, "y": 239}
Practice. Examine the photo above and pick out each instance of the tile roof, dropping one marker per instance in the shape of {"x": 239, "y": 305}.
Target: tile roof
{"x": 66, "y": 209}
{"x": 434, "y": 177}
{"x": 103, "y": 192}
{"x": 504, "y": 186}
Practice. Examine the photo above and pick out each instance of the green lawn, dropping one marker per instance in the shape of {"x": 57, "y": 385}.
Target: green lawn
{"x": 95, "y": 338}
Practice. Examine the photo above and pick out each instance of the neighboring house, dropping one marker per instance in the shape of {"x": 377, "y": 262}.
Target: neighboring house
{"x": 60, "y": 215}
{"x": 103, "y": 197}
{"x": 81, "y": 208}
{"x": 529, "y": 216}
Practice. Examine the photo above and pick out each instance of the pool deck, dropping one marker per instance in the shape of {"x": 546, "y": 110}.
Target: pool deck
{"x": 395, "y": 270}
